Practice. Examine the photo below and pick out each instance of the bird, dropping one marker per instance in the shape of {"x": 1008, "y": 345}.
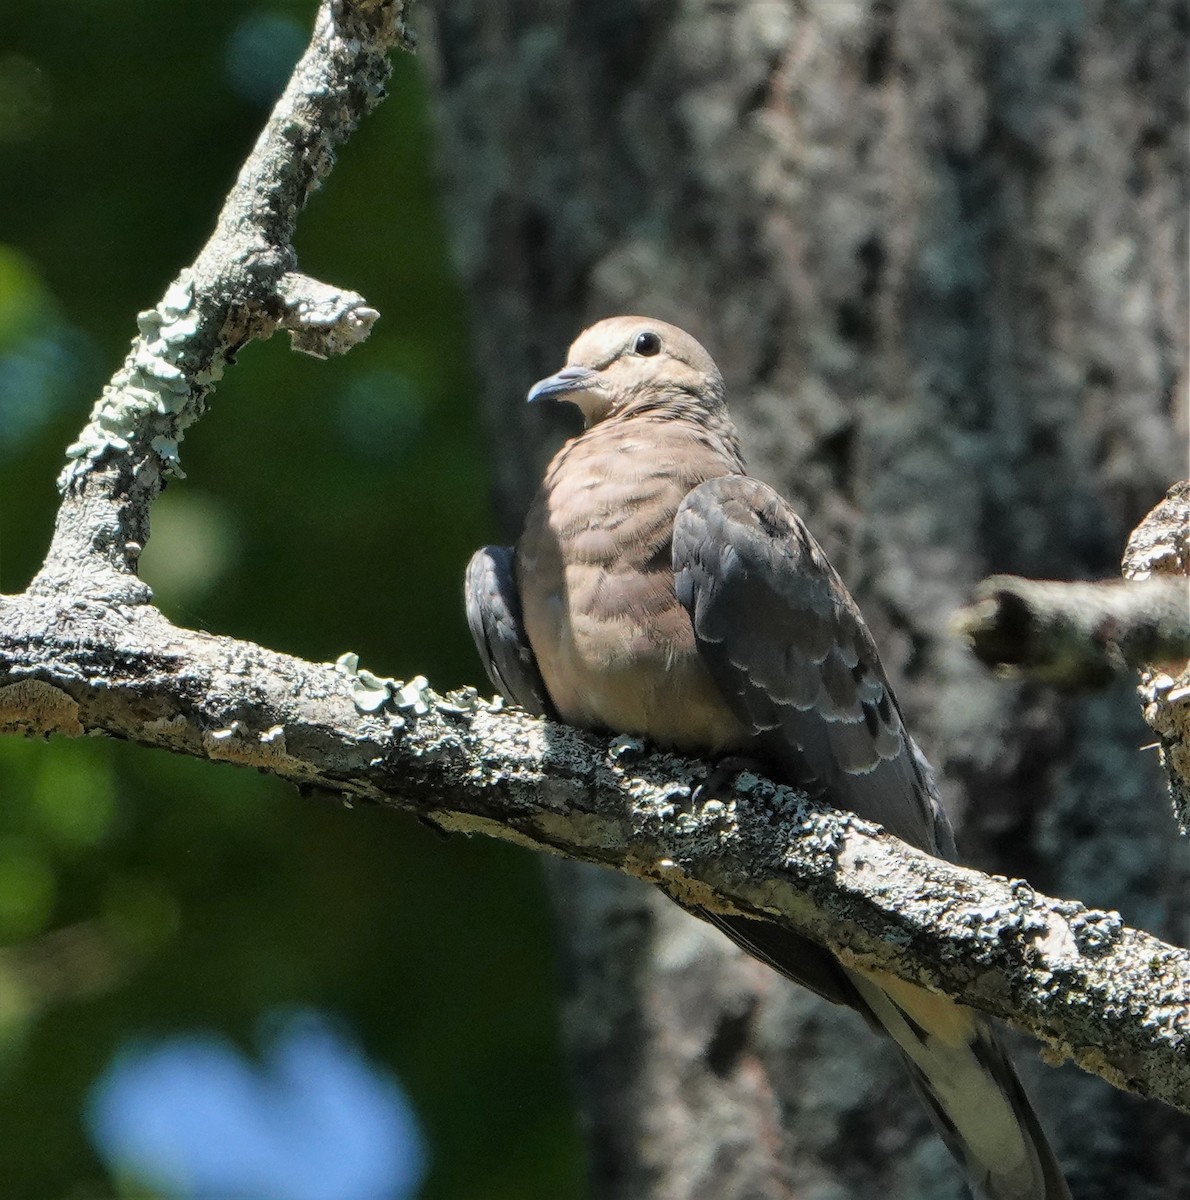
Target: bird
{"x": 659, "y": 590}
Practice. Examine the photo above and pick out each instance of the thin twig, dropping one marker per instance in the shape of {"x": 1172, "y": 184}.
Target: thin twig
{"x": 1077, "y": 634}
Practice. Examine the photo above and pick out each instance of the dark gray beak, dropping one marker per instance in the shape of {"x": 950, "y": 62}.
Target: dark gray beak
{"x": 564, "y": 383}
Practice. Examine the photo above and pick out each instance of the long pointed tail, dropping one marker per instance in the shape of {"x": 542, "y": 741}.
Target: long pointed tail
{"x": 970, "y": 1089}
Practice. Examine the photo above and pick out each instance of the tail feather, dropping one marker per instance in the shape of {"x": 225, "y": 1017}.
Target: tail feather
{"x": 970, "y": 1089}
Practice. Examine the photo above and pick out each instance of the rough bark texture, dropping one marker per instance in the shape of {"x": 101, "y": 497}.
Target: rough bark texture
{"x": 1160, "y": 546}
{"x": 939, "y": 251}
{"x": 1115, "y": 999}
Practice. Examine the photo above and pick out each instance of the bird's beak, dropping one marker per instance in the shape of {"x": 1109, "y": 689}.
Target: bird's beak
{"x": 565, "y": 383}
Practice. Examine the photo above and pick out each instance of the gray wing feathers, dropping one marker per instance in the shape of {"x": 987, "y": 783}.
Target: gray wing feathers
{"x": 791, "y": 955}
{"x": 794, "y": 659}
{"x": 494, "y": 617}
{"x": 793, "y": 656}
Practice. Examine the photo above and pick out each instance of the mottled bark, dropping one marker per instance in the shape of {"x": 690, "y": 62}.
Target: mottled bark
{"x": 1115, "y": 999}
{"x": 1160, "y": 547}
{"x": 939, "y": 251}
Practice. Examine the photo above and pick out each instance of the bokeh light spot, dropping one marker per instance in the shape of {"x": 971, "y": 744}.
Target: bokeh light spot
{"x": 27, "y": 887}
{"x": 260, "y": 55}
{"x": 312, "y": 1121}
{"x": 193, "y": 544}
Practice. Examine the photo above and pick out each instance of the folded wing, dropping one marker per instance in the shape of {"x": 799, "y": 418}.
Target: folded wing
{"x": 794, "y": 659}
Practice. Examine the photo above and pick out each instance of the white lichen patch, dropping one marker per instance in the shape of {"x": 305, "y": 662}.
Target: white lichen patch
{"x": 150, "y": 401}
{"x": 238, "y": 743}
{"x": 322, "y": 319}
{"x": 414, "y": 697}
{"x": 370, "y": 693}
{"x": 510, "y": 743}
{"x": 826, "y": 837}
{"x": 625, "y": 748}
{"x": 1057, "y": 943}
{"x": 716, "y": 811}
{"x": 226, "y": 744}
{"x": 653, "y": 808}
{"x": 459, "y": 703}
{"x": 1096, "y": 932}
{"x": 234, "y": 730}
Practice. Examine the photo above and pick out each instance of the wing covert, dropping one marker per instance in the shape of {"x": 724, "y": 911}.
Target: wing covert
{"x": 789, "y": 648}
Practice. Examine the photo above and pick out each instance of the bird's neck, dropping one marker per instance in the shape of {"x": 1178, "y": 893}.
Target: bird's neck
{"x": 673, "y": 423}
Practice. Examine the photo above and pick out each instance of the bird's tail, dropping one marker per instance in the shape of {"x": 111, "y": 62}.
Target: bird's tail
{"x": 970, "y": 1089}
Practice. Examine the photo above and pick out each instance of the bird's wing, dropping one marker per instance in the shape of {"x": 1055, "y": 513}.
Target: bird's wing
{"x": 794, "y": 659}
{"x": 494, "y": 617}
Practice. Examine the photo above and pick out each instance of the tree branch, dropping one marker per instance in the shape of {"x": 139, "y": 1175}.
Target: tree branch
{"x": 1080, "y": 634}
{"x": 241, "y": 286}
{"x": 1160, "y": 546}
{"x": 1077, "y": 634}
{"x": 1114, "y": 999}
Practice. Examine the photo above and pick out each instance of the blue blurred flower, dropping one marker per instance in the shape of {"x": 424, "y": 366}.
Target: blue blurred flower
{"x": 312, "y": 1121}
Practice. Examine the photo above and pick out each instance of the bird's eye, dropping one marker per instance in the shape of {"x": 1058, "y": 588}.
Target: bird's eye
{"x": 647, "y": 343}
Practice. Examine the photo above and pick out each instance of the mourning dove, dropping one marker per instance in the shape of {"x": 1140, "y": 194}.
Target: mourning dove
{"x": 660, "y": 591}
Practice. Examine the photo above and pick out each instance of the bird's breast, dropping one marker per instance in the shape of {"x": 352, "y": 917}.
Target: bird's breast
{"x": 615, "y": 648}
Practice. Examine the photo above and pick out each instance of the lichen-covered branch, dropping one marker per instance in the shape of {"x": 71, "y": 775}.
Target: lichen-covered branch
{"x": 1160, "y": 548}
{"x": 242, "y": 285}
{"x": 82, "y": 652}
{"x": 323, "y": 320}
{"x": 1114, "y": 999}
{"x": 1080, "y": 634}
{"x": 1160, "y": 544}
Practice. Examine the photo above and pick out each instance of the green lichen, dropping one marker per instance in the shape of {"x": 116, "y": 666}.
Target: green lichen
{"x": 370, "y": 693}
{"x": 151, "y": 399}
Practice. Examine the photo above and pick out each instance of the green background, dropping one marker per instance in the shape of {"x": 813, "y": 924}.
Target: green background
{"x": 329, "y": 506}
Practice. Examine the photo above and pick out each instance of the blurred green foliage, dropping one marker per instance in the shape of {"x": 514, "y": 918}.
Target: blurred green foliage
{"x": 328, "y": 507}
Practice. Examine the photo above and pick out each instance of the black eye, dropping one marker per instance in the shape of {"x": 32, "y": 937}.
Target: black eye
{"x": 647, "y": 343}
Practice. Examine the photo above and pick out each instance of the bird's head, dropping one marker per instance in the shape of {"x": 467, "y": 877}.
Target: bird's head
{"x": 625, "y": 365}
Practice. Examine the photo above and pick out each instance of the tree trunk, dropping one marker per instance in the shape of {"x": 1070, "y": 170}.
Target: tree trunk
{"x": 939, "y": 252}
